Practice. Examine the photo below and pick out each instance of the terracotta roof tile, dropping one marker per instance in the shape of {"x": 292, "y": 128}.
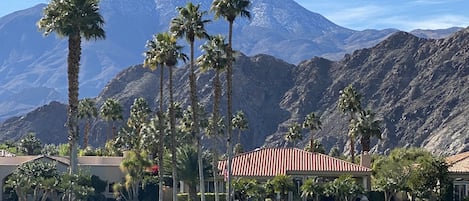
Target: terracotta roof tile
{"x": 269, "y": 162}
{"x": 458, "y": 163}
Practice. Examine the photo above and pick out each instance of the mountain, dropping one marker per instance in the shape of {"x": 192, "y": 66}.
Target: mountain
{"x": 417, "y": 86}
{"x": 29, "y": 61}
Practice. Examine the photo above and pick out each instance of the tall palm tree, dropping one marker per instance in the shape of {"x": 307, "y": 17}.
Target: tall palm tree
{"x": 87, "y": 110}
{"x": 153, "y": 60}
{"x": 312, "y": 123}
{"x": 191, "y": 25}
{"x": 111, "y": 111}
{"x": 214, "y": 58}
{"x": 367, "y": 126}
{"x": 230, "y": 10}
{"x": 73, "y": 19}
{"x": 170, "y": 53}
{"x": 350, "y": 102}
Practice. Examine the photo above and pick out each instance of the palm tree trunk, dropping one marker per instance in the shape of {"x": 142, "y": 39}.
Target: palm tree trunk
{"x": 352, "y": 138}
{"x": 195, "y": 128}
{"x": 311, "y": 141}
{"x": 86, "y": 134}
{"x": 215, "y": 172}
{"x": 161, "y": 139}
{"x": 172, "y": 122}
{"x": 74, "y": 52}
{"x": 229, "y": 72}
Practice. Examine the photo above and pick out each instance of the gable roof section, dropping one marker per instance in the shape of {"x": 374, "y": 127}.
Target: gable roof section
{"x": 458, "y": 163}
{"x": 269, "y": 162}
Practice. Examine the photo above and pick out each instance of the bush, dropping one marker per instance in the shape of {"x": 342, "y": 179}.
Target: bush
{"x": 208, "y": 196}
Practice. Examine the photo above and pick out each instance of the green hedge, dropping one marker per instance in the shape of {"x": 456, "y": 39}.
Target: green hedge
{"x": 208, "y": 196}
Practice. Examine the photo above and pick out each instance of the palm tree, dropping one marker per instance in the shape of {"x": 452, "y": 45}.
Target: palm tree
{"x": 111, "y": 111}
{"x": 282, "y": 184}
{"x": 230, "y": 9}
{"x": 311, "y": 189}
{"x": 87, "y": 110}
{"x": 73, "y": 19}
{"x": 214, "y": 58}
{"x": 239, "y": 122}
{"x": 312, "y": 123}
{"x": 153, "y": 60}
{"x": 187, "y": 163}
{"x": 170, "y": 53}
{"x": 191, "y": 25}
{"x": 293, "y": 134}
{"x": 350, "y": 102}
{"x": 367, "y": 126}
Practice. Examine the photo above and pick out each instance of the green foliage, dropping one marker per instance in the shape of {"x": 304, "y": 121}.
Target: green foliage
{"x": 208, "y": 196}
{"x": 64, "y": 149}
{"x": 9, "y": 146}
{"x": 334, "y": 152}
{"x": 50, "y": 150}
{"x": 409, "y": 170}
{"x": 294, "y": 133}
{"x": 317, "y": 147}
{"x": 343, "y": 188}
{"x": 30, "y": 144}
{"x": 133, "y": 166}
{"x": 187, "y": 166}
{"x": 282, "y": 184}
{"x": 312, "y": 189}
{"x": 41, "y": 180}
{"x": 245, "y": 188}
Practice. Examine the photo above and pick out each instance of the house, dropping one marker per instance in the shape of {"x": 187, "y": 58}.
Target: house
{"x": 106, "y": 168}
{"x": 459, "y": 172}
{"x": 264, "y": 164}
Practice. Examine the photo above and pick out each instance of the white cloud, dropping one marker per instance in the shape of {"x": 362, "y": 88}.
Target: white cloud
{"x": 429, "y": 22}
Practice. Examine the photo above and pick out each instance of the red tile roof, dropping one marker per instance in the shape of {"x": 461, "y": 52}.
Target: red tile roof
{"x": 269, "y": 162}
{"x": 458, "y": 163}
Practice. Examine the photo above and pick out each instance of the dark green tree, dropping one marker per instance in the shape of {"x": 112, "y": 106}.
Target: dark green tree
{"x": 350, "y": 103}
{"x": 111, "y": 111}
{"x": 344, "y": 188}
{"x": 187, "y": 166}
{"x": 30, "y": 144}
{"x": 313, "y": 123}
{"x": 293, "y": 134}
{"x": 283, "y": 184}
{"x": 367, "y": 126}
{"x": 239, "y": 122}
{"x": 312, "y": 189}
{"x": 87, "y": 111}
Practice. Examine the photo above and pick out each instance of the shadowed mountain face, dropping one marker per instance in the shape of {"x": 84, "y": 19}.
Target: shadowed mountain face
{"x": 418, "y": 87}
{"x": 284, "y": 29}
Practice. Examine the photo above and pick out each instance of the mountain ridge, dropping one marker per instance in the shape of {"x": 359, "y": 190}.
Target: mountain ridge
{"x": 418, "y": 87}
{"x": 282, "y": 29}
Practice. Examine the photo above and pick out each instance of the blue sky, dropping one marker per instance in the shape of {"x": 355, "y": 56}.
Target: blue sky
{"x": 359, "y": 14}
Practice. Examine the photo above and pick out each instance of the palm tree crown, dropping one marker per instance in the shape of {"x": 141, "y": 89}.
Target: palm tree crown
{"x": 312, "y": 123}
{"x": 189, "y": 23}
{"x": 73, "y": 17}
{"x": 230, "y": 9}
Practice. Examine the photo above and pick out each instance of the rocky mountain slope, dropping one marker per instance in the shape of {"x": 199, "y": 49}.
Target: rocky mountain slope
{"x": 31, "y": 62}
{"x": 418, "y": 87}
